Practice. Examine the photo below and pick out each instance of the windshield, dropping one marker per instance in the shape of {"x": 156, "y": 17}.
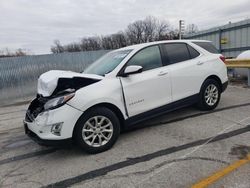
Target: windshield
{"x": 107, "y": 63}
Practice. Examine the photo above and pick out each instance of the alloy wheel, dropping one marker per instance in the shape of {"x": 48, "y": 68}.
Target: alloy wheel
{"x": 211, "y": 94}
{"x": 97, "y": 131}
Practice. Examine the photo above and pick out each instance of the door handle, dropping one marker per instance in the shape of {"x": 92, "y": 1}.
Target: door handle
{"x": 200, "y": 63}
{"x": 162, "y": 73}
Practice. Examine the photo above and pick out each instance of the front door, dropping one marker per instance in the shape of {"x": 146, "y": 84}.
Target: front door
{"x": 151, "y": 88}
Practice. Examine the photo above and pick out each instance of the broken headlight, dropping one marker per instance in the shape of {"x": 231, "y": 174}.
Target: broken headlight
{"x": 58, "y": 101}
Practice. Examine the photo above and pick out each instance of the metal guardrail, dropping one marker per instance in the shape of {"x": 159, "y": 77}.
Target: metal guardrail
{"x": 236, "y": 63}
{"x": 239, "y": 63}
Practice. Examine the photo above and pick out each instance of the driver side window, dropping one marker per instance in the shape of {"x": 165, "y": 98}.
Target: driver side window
{"x": 149, "y": 58}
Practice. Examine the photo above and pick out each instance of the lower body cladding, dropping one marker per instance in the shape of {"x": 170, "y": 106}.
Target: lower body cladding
{"x": 53, "y": 127}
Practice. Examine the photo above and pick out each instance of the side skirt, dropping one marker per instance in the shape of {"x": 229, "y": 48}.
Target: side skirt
{"x": 161, "y": 110}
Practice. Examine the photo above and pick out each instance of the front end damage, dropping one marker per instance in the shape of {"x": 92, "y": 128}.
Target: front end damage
{"x": 36, "y": 107}
{"x": 48, "y": 117}
{"x": 51, "y": 127}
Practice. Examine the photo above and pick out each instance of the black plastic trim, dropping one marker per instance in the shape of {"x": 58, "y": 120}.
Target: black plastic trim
{"x": 73, "y": 83}
{"x": 162, "y": 110}
{"x": 224, "y": 86}
{"x": 124, "y": 99}
{"x": 37, "y": 139}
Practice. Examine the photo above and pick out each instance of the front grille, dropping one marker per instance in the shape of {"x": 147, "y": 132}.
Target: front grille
{"x": 35, "y": 108}
{"x": 29, "y": 117}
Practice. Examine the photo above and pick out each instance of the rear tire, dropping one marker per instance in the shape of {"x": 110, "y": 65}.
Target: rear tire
{"x": 209, "y": 96}
{"x": 97, "y": 130}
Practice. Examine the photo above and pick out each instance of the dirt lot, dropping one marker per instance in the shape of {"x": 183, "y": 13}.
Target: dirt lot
{"x": 180, "y": 149}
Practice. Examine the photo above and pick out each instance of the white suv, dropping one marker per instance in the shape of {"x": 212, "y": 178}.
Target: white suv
{"x": 124, "y": 87}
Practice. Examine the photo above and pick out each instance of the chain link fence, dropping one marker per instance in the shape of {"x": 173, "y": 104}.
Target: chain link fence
{"x": 18, "y": 75}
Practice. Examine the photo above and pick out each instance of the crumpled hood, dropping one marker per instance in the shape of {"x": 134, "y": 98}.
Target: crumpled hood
{"x": 54, "y": 81}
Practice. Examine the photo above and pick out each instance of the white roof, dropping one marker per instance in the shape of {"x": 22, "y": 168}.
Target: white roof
{"x": 142, "y": 45}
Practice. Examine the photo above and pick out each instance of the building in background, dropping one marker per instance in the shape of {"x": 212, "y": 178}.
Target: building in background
{"x": 230, "y": 39}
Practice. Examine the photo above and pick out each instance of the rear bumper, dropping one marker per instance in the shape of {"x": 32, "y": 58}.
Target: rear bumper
{"x": 224, "y": 86}
{"x": 45, "y": 142}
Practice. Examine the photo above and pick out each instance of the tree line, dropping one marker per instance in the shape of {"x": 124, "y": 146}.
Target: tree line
{"x": 147, "y": 30}
{"x": 8, "y": 53}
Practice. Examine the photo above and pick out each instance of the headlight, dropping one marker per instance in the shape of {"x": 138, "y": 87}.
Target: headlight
{"x": 58, "y": 101}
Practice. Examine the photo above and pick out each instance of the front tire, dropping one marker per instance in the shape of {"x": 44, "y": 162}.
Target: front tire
{"x": 97, "y": 130}
{"x": 209, "y": 96}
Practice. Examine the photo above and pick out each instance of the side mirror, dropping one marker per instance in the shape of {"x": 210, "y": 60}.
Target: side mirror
{"x": 132, "y": 69}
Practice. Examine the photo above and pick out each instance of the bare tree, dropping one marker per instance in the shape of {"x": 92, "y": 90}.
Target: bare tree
{"x": 135, "y": 32}
{"x": 192, "y": 28}
{"x": 73, "y": 47}
{"x": 162, "y": 30}
{"x": 150, "y": 29}
{"x": 8, "y": 53}
{"x": 119, "y": 40}
{"x": 107, "y": 43}
{"x": 90, "y": 43}
{"x": 147, "y": 30}
{"x": 173, "y": 35}
{"x": 57, "y": 48}
{"x": 20, "y": 52}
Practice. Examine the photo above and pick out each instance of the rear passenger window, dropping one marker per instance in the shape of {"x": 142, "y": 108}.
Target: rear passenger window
{"x": 193, "y": 52}
{"x": 177, "y": 52}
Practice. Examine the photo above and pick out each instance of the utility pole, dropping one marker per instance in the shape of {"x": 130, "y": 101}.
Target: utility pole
{"x": 181, "y": 28}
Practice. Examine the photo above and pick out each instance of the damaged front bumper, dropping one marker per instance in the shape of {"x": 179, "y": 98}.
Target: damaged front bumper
{"x": 51, "y": 126}
{"x": 49, "y": 117}
{"x": 45, "y": 142}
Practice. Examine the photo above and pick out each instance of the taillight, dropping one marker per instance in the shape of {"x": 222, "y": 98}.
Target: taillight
{"x": 223, "y": 58}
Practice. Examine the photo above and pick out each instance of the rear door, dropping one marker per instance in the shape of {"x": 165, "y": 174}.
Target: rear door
{"x": 185, "y": 68}
{"x": 151, "y": 88}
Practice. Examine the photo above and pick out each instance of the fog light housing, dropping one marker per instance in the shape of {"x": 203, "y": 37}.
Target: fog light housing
{"x": 56, "y": 129}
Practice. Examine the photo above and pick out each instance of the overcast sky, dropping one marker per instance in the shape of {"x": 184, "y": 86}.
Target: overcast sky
{"x": 35, "y": 24}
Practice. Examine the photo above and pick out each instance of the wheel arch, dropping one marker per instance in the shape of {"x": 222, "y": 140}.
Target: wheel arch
{"x": 110, "y": 106}
{"x": 214, "y": 77}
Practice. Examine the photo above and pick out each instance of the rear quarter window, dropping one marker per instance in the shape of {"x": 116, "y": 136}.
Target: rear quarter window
{"x": 193, "y": 52}
{"x": 207, "y": 46}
